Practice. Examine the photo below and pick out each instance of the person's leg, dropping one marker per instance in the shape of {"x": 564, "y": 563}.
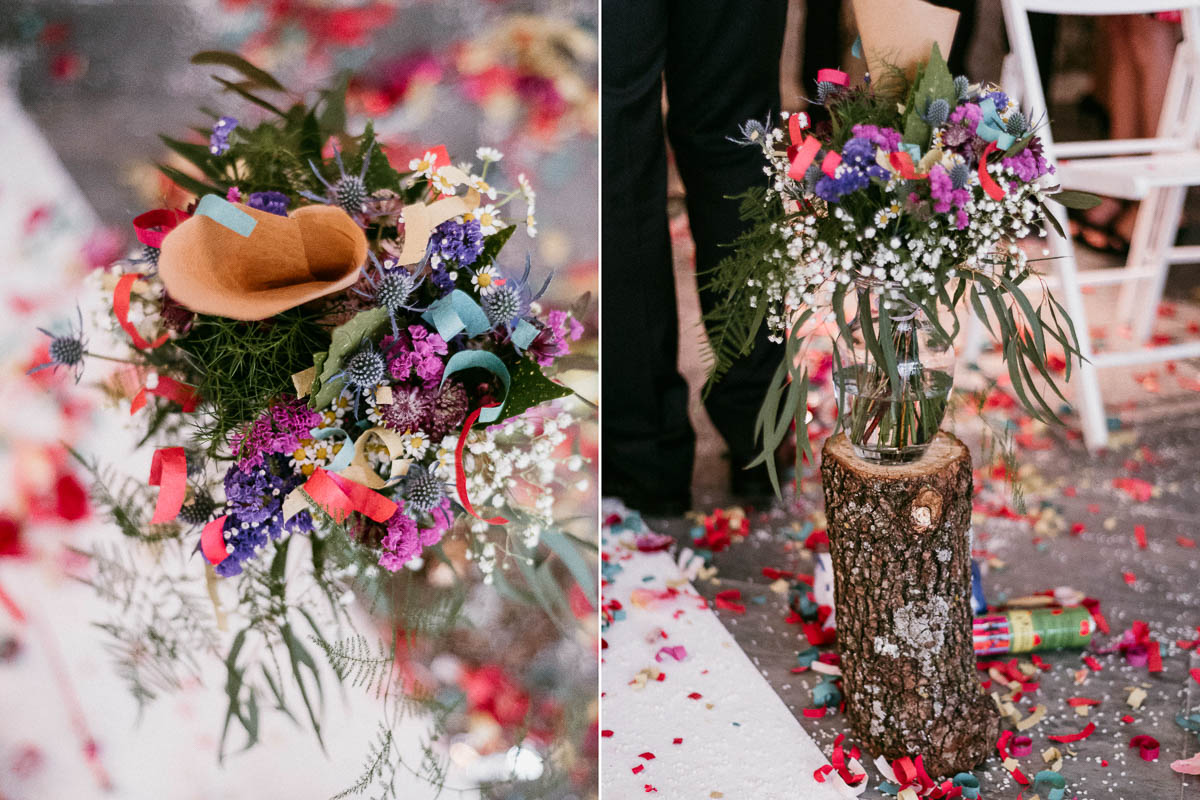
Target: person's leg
{"x": 646, "y": 438}
{"x": 722, "y": 69}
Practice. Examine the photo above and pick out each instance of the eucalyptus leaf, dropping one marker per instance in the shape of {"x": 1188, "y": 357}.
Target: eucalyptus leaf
{"x": 1077, "y": 200}
{"x": 234, "y": 61}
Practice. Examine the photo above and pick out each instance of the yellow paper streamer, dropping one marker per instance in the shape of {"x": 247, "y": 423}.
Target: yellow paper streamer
{"x": 303, "y": 381}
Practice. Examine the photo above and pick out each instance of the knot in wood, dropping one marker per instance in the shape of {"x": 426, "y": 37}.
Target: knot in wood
{"x": 927, "y": 510}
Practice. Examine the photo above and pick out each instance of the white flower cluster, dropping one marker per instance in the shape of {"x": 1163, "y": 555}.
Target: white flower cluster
{"x": 914, "y": 252}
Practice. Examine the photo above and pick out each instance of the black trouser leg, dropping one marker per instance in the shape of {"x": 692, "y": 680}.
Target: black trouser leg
{"x": 647, "y": 441}
{"x": 722, "y": 69}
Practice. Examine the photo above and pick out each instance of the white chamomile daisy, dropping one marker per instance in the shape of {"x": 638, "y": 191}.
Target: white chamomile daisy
{"x": 415, "y": 444}
{"x": 882, "y": 217}
{"x": 443, "y": 458}
{"x": 488, "y": 217}
{"x": 488, "y": 154}
{"x": 442, "y": 183}
{"x": 483, "y": 187}
{"x": 486, "y": 279}
{"x": 425, "y": 165}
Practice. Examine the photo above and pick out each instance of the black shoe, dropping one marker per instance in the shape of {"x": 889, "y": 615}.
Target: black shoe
{"x": 652, "y": 505}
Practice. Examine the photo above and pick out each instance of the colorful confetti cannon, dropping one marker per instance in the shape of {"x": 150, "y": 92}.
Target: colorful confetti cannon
{"x": 1022, "y": 630}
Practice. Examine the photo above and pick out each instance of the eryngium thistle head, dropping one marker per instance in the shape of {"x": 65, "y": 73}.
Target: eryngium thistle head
{"x": 423, "y": 492}
{"x": 825, "y": 90}
{"x": 959, "y": 175}
{"x": 350, "y": 193}
{"x": 366, "y": 368}
{"x": 199, "y": 511}
{"x": 395, "y": 288}
{"x": 150, "y": 255}
{"x": 962, "y": 88}
{"x": 1017, "y": 124}
{"x": 66, "y": 350}
{"x": 937, "y": 112}
{"x": 502, "y": 305}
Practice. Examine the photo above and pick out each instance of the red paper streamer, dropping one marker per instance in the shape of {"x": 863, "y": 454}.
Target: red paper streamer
{"x": 172, "y": 390}
{"x": 121, "y": 312}
{"x": 1021, "y": 746}
{"x": 460, "y": 472}
{"x": 904, "y": 163}
{"x": 1075, "y": 737}
{"x": 835, "y": 76}
{"x": 341, "y": 496}
{"x": 830, "y": 163}
{"x": 1155, "y": 664}
{"x": 168, "y": 471}
{"x": 1092, "y": 662}
{"x": 212, "y": 540}
{"x": 814, "y": 713}
{"x": 805, "y": 153}
{"x": 1147, "y": 747}
{"x": 1139, "y": 532}
{"x": 166, "y": 219}
{"x": 985, "y": 179}
{"x": 727, "y": 600}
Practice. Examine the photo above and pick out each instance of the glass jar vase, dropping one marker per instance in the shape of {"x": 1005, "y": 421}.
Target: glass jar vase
{"x": 892, "y": 377}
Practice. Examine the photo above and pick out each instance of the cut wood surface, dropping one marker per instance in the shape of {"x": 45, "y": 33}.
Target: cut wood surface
{"x": 898, "y": 536}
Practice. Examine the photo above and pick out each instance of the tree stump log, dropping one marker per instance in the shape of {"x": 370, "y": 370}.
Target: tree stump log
{"x": 898, "y": 536}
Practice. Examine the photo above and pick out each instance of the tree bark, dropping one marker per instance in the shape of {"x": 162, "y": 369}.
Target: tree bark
{"x": 898, "y": 536}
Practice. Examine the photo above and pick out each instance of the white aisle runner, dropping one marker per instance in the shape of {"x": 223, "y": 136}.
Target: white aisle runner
{"x": 739, "y": 740}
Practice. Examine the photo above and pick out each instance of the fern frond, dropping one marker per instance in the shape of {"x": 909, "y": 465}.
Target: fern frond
{"x": 355, "y": 661}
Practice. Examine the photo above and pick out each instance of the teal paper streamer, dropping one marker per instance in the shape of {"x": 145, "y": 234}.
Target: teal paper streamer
{"x": 991, "y": 128}
{"x": 455, "y": 313}
{"x": 467, "y": 359}
{"x": 1056, "y": 782}
{"x": 856, "y": 48}
{"x": 893, "y": 790}
{"x": 826, "y": 694}
{"x": 969, "y": 785}
{"x": 524, "y": 334}
{"x": 226, "y": 213}
{"x": 914, "y": 150}
{"x": 344, "y": 456}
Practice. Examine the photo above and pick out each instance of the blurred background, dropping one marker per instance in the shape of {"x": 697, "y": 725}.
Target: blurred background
{"x": 85, "y": 90}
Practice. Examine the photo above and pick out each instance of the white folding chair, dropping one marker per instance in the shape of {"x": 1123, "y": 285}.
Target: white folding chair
{"x": 1155, "y": 171}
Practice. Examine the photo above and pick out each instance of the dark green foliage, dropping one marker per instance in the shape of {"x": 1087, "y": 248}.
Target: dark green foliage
{"x": 239, "y": 367}
{"x": 530, "y": 388}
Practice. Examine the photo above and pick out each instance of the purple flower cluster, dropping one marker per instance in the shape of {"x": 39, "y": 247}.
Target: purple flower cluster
{"x": 405, "y": 539}
{"x": 551, "y": 343}
{"x": 279, "y": 429}
{"x": 946, "y": 198}
{"x": 1029, "y": 163}
{"x": 460, "y": 242}
{"x": 857, "y": 169}
{"x": 431, "y": 409}
{"x": 271, "y": 202}
{"x": 416, "y": 352}
{"x": 886, "y": 139}
{"x": 254, "y": 503}
{"x": 218, "y": 142}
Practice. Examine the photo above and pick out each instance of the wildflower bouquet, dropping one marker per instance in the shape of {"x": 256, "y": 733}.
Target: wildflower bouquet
{"x": 329, "y": 350}
{"x": 874, "y": 228}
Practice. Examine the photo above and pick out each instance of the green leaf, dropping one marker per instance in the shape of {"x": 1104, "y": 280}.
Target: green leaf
{"x": 935, "y": 82}
{"x": 333, "y": 114}
{"x": 583, "y": 572}
{"x": 530, "y": 388}
{"x": 1031, "y": 317}
{"x": 344, "y": 341}
{"x": 494, "y": 243}
{"x": 249, "y": 96}
{"x": 1054, "y": 223}
{"x": 197, "y": 154}
{"x": 224, "y": 58}
{"x": 1077, "y": 200}
{"x": 300, "y": 657}
{"x": 188, "y": 183}
{"x": 380, "y": 174}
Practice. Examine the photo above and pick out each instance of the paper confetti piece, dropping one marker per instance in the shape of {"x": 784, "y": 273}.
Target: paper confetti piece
{"x": 1147, "y": 747}
{"x": 1187, "y": 766}
{"x": 1139, "y": 533}
{"x": 1021, "y": 746}
{"x": 1033, "y": 719}
{"x": 1195, "y": 673}
{"x": 647, "y": 755}
{"x": 1093, "y": 663}
{"x": 1136, "y": 697}
{"x": 678, "y": 652}
{"x": 1154, "y": 664}
{"x": 727, "y": 600}
{"x": 1074, "y": 737}
{"x": 1129, "y": 578}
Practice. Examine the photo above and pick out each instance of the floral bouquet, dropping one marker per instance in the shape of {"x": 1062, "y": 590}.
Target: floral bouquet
{"x": 329, "y": 350}
{"x": 874, "y": 228}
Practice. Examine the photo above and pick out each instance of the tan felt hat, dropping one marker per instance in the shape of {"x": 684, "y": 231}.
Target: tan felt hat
{"x": 211, "y": 268}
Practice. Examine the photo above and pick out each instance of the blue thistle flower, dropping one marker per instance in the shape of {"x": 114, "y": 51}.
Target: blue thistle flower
{"x": 394, "y": 287}
{"x": 348, "y": 191}
{"x": 363, "y": 371}
{"x": 825, "y": 90}
{"x": 937, "y": 111}
{"x": 962, "y": 88}
{"x": 506, "y": 304}
{"x": 422, "y": 491}
{"x": 959, "y": 175}
{"x": 66, "y": 350}
{"x": 1017, "y": 125}
{"x": 752, "y": 132}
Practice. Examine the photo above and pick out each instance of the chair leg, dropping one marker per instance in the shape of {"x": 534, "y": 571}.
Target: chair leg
{"x": 1142, "y": 251}
{"x": 1090, "y": 403}
{"x": 1168, "y": 216}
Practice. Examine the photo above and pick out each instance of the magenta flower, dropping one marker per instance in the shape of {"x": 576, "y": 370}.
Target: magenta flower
{"x": 279, "y": 429}
{"x": 416, "y": 351}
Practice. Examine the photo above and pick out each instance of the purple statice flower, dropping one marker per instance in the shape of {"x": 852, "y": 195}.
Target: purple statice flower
{"x": 886, "y": 139}
{"x": 999, "y": 99}
{"x": 551, "y": 342}
{"x": 415, "y": 352}
{"x": 945, "y": 197}
{"x": 446, "y": 410}
{"x": 408, "y": 409}
{"x": 460, "y": 242}
{"x": 440, "y": 277}
{"x": 855, "y": 172}
{"x": 279, "y": 429}
{"x": 968, "y": 115}
{"x": 254, "y": 503}
{"x": 271, "y": 202}
{"x": 1029, "y": 164}
{"x": 405, "y": 539}
{"x": 218, "y": 142}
